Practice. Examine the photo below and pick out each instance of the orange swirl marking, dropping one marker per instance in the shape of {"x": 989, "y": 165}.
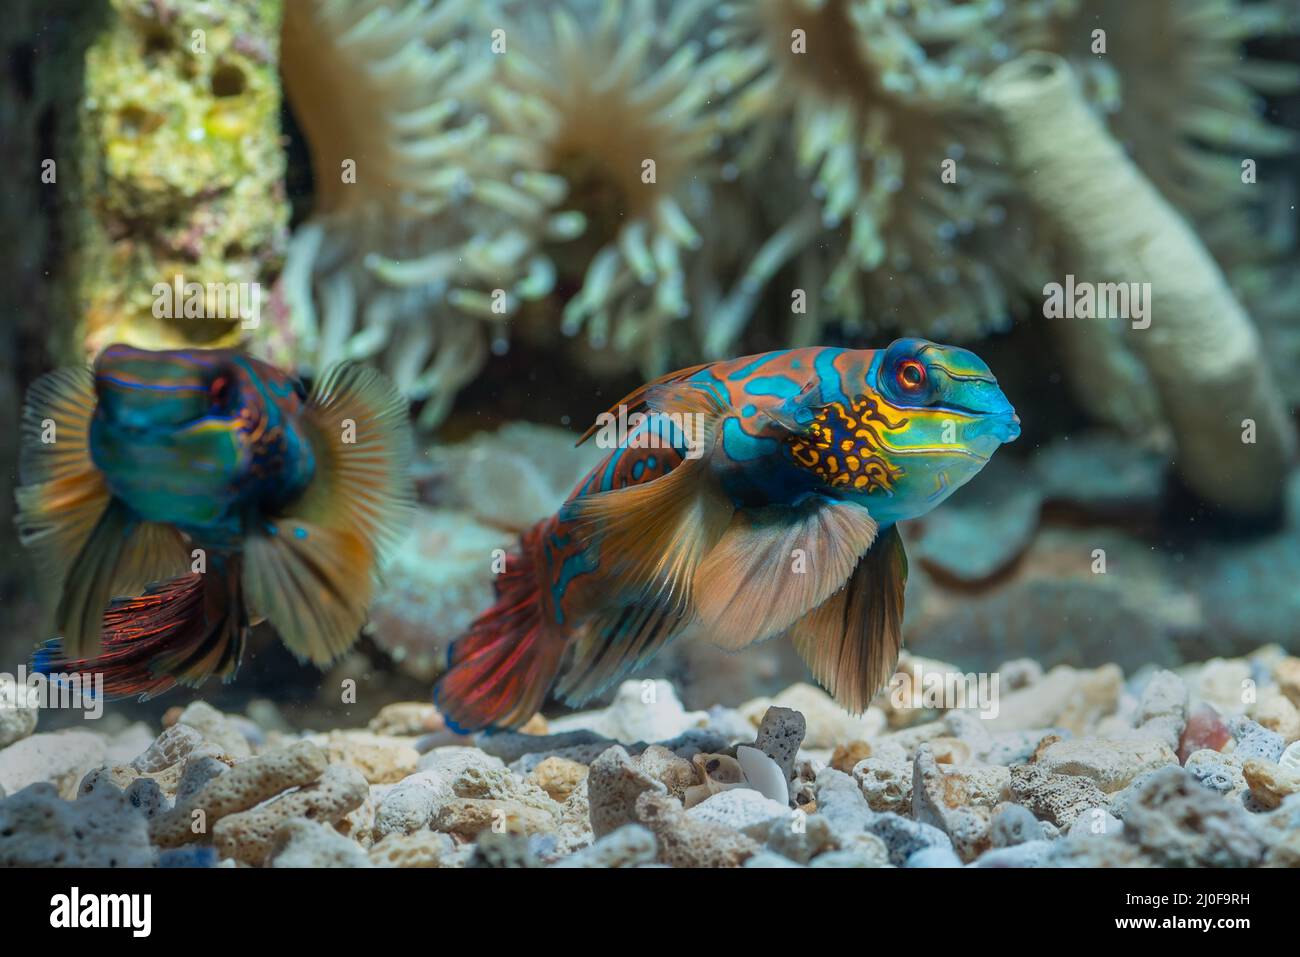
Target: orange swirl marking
{"x": 842, "y": 446}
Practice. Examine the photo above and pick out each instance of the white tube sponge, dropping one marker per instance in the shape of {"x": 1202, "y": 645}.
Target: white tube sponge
{"x": 1201, "y": 349}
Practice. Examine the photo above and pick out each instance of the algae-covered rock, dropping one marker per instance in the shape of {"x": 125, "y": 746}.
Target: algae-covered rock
{"x": 179, "y": 172}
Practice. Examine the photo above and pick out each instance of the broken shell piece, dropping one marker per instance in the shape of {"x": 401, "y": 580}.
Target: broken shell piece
{"x": 718, "y": 772}
{"x": 763, "y": 774}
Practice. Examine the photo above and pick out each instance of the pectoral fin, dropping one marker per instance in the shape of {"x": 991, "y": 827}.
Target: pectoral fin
{"x": 311, "y": 571}
{"x": 775, "y": 563}
{"x": 796, "y": 412}
{"x": 312, "y": 583}
{"x": 363, "y": 444}
{"x": 851, "y": 641}
{"x": 89, "y": 549}
{"x": 62, "y": 494}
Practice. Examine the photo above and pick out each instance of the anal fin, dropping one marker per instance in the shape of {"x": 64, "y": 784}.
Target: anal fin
{"x": 851, "y": 641}
{"x": 181, "y": 631}
{"x": 612, "y": 643}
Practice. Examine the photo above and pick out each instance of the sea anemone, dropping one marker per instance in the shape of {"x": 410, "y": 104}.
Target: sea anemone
{"x": 620, "y": 100}
{"x": 878, "y": 98}
{"x": 1179, "y": 92}
{"x": 420, "y": 244}
{"x": 641, "y": 175}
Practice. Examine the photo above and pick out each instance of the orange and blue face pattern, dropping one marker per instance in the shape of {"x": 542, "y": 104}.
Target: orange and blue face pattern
{"x": 197, "y": 438}
{"x": 896, "y": 429}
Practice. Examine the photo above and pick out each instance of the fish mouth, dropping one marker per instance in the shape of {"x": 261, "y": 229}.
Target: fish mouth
{"x": 1010, "y": 427}
{"x": 1001, "y": 427}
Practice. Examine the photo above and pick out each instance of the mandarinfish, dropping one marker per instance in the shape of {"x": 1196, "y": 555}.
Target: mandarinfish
{"x": 174, "y": 498}
{"x": 753, "y": 498}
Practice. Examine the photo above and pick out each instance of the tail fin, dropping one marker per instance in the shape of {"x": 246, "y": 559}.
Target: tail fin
{"x": 499, "y": 671}
{"x": 178, "y": 632}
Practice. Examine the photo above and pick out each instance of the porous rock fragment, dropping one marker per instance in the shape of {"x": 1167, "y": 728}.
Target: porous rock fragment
{"x": 248, "y": 783}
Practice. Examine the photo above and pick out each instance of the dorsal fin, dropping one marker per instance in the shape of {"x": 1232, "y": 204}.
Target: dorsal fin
{"x": 635, "y": 401}
{"x": 651, "y": 537}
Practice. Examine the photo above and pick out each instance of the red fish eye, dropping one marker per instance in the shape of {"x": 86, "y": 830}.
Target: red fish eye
{"x": 911, "y": 375}
{"x": 219, "y": 390}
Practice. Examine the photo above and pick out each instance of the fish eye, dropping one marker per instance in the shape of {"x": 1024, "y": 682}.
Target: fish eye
{"x": 220, "y": 391}
{"x": 911, "y": 375}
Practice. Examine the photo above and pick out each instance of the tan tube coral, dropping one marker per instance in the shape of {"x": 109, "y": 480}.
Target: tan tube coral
{"x": 1201, "y": 349}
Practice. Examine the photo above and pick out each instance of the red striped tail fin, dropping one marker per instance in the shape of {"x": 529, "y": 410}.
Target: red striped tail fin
{"x": 178, "y": 632}
{"x": 499, "y": 671}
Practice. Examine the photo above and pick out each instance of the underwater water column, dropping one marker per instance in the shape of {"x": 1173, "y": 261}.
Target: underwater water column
{"x": 1201, "y": 349}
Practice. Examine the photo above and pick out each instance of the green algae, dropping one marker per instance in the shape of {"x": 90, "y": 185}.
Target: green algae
{"x": 180, "y": 166}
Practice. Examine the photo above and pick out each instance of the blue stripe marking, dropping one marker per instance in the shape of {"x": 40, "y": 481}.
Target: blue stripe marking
{"x": 740, "y": 446}
{"x": 776, "y": 385}
{"x": 744, "y": 371}
{"x": 831, "y": 387}
{"x": 570, "y": 568}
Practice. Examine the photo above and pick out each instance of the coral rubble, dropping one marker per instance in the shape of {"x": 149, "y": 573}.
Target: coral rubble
{"x": 1075, "y": 769}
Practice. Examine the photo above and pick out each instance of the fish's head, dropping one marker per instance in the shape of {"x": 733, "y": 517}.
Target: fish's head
{"x": 938, "y": 417}
{"x": 187, "y": 436}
